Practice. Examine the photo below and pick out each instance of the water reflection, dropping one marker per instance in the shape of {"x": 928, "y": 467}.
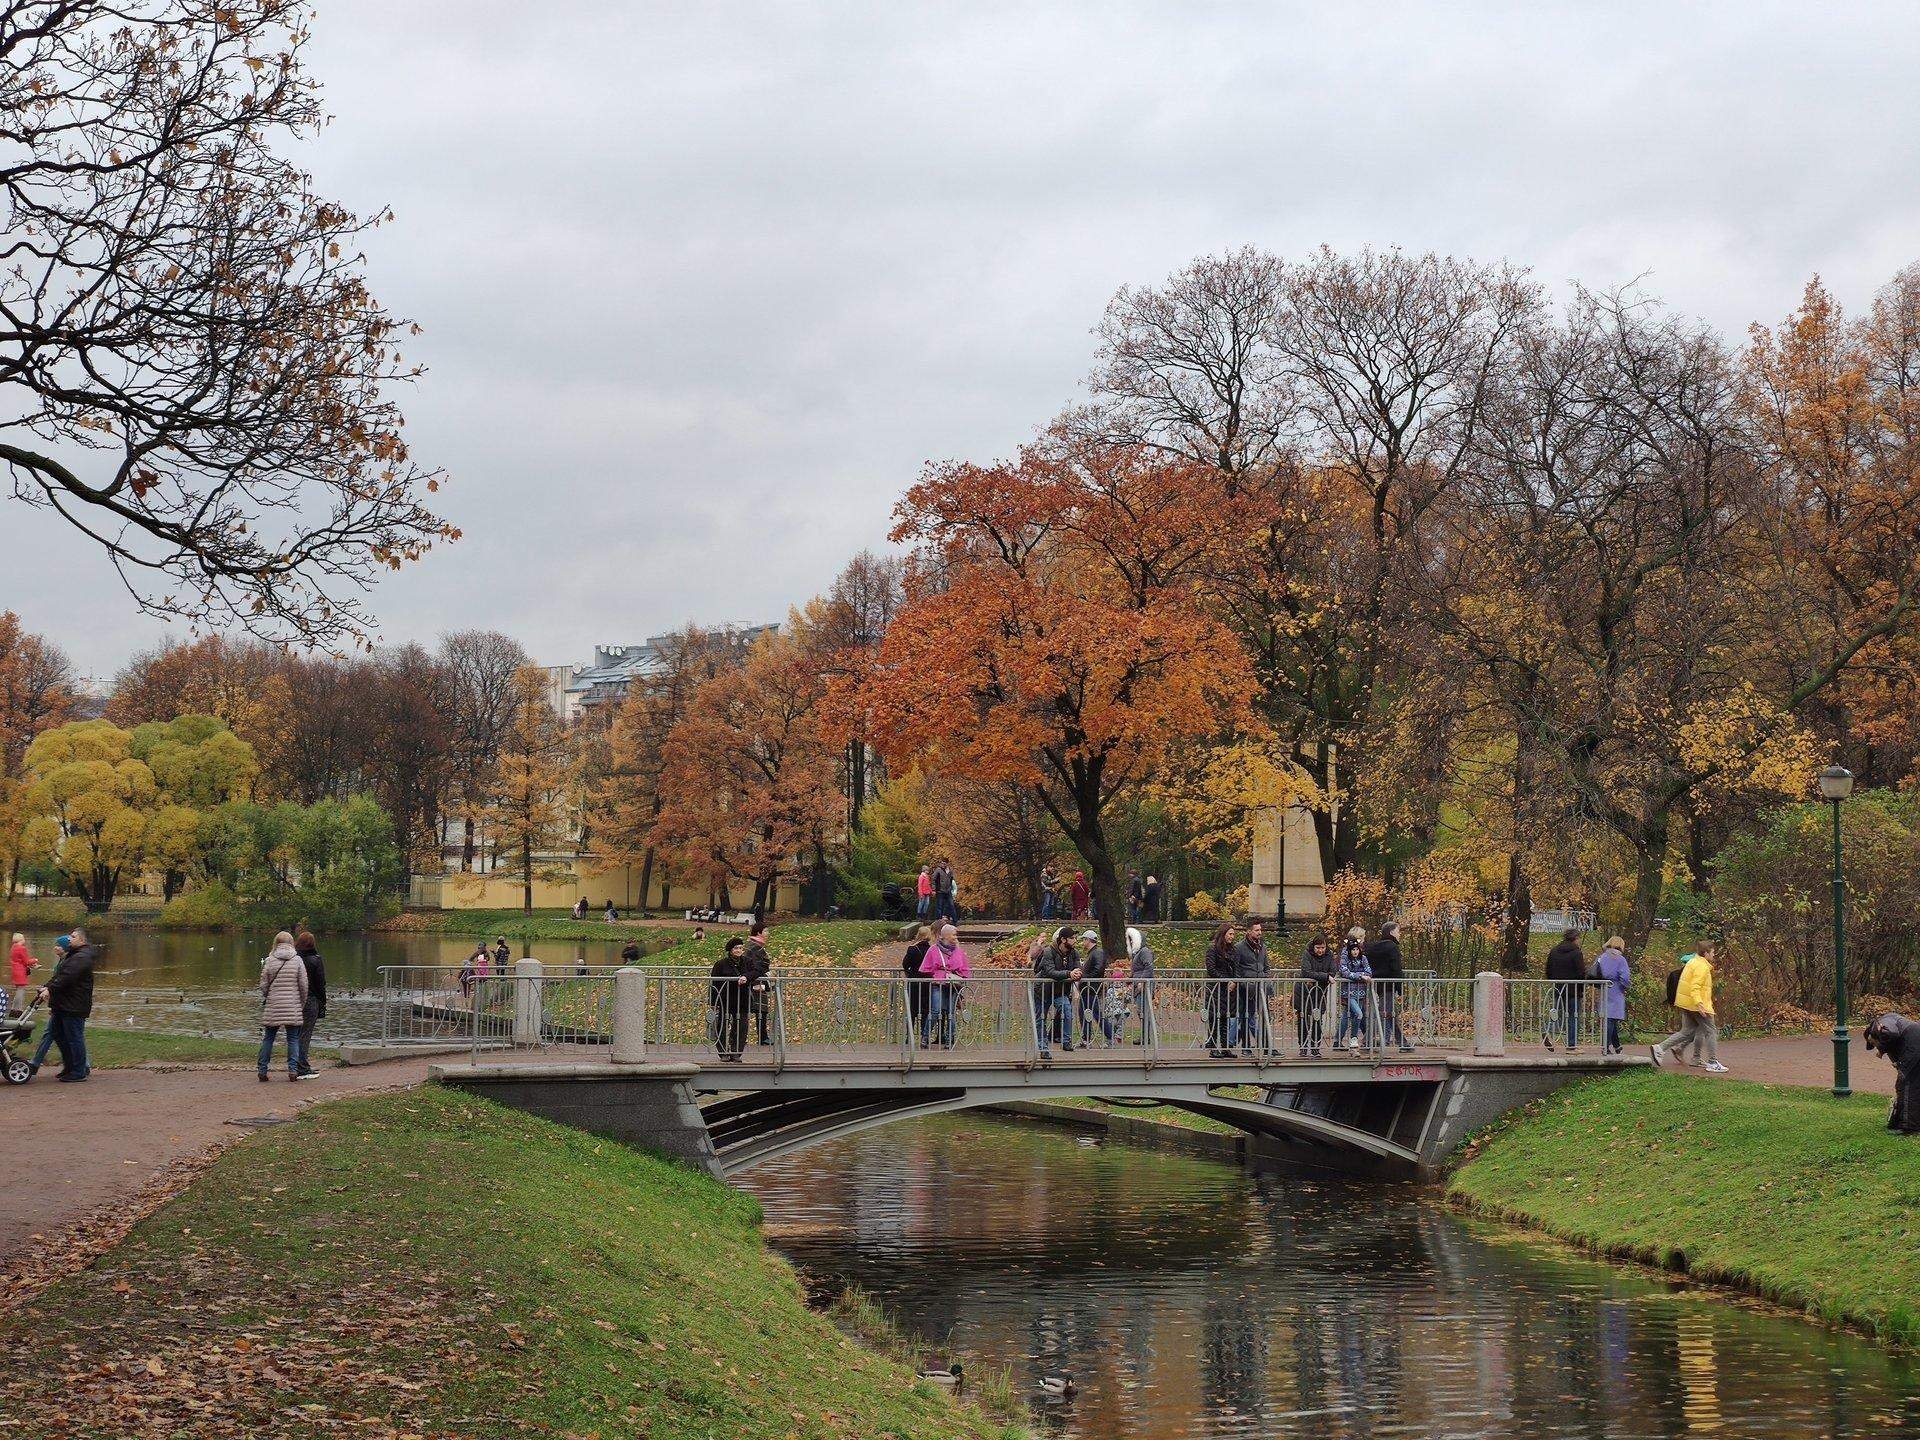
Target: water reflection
{"x": 1194, "y": 1299}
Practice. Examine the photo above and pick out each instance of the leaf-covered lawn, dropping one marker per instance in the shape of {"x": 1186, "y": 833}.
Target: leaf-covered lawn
{"x": 1786, "y": 1192}
{"x": 432, "y": 1264}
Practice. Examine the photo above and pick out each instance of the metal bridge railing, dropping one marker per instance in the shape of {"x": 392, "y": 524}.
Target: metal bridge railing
{"x": 1560, "y": 1013}
{"x": 1008, "y": 1015}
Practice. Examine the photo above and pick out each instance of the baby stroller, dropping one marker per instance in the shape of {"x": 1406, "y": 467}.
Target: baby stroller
{"x": 15, "y": 1031}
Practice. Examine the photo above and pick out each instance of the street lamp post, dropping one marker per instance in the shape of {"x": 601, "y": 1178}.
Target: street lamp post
{"x": 1836, "y": 784}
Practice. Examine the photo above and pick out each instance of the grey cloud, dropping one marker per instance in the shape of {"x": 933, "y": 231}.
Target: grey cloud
{"x": 705, "y": 286}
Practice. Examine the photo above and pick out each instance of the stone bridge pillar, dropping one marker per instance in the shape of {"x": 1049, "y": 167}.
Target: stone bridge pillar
{"x": 629, "y": 1016}
{"x": 527, "y": 975}
{"x": 1489, "y": 1013}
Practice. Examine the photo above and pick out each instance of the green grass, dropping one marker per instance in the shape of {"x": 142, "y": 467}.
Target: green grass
{"x": 1158, "y": 1114}
{"x": 432, "y": 1264}
{"x": 111, "y": 1049}
{"x": 796, "y": 944}
{"x": 1785, "y": 1193}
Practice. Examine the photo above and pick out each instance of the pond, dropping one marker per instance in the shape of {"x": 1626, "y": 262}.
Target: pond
{"x": 201, "y": 982}
{"x": 1191, "y": 1298}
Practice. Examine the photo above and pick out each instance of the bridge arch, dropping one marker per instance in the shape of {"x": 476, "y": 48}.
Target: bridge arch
{"x": 752, "y": 1128}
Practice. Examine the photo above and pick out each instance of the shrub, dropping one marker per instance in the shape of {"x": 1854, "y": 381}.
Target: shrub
{"x": 50, "y": 912}
{"x": 1773, "y": 902}
{"x": 213, "y": 907}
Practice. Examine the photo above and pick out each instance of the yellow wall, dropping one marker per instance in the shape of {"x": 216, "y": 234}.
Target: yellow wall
{"x": 501, "y": 890}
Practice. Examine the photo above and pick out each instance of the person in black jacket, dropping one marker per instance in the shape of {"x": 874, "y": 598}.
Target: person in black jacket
{"x": 759, "y": 966}
{"x": 316, "y": 1008}
{"x": 1565, "y": 962}
{"x": 1056, "y": 967}
{"x": 728, "y": 995}
{"x": 1093, "y": 987}
{"x": 1311, "y": 993}
{"x": 69, "y": 994}
{"x": 1383, "y": 958}
{"x": 1898, "y": 1039}
{"x": 916, "y": 982}
{"x": 1251, "y": 969}
{"x": 1222, "y": 1028}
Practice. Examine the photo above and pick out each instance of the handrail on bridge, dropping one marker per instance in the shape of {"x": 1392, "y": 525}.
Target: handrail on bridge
{"x": 1001, "y": 1015}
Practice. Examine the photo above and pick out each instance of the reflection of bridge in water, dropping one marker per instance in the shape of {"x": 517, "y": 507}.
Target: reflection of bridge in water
{"x": 633, "y": 1055}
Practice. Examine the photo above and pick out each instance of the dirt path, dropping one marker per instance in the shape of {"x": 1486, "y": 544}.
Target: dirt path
{"x": 1800, "y": 1060}
{"x": 79, "y": 1151}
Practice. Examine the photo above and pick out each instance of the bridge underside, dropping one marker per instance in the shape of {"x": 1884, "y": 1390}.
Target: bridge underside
{"x": 1398, "y": 1119}
{"x": 1381, "y": 1126}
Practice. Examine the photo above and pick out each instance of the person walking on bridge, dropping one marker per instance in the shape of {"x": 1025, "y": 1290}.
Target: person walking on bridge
{"x": 1222, "y": 1030}
{"x": 1056, "y": 969}
{"x": 1613, "y": 968}
{"x": 1693, "y": 998}
{"x": 945, "y": 966}
{"x": 1566, "y": 963}
{"x": 1092, "y": 990}
{"x": 917, "y": 984}
{"x": 1140, "y": 964}
{"x": 759, "y": 965}
{"x": 1389, "y": 971}
{"x": 1252, "y": 988}
{"x": 1312, "y": 994}
{"x": 1356, "y": 981}
{"x": 727, "y": 993}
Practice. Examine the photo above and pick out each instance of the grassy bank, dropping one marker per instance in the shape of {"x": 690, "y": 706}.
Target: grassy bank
{"x": 1786, "y": 1193}
{"x": 432, "y": 1264}
{"x": 111, "y": 1049}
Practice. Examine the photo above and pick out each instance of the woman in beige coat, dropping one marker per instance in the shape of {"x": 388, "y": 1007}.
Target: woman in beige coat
{"x": 283, "y": 1005}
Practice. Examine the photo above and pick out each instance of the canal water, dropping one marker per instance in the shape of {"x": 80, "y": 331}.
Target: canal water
{"x": 1191, "y": 1298}
{"x": 202, "y": 982}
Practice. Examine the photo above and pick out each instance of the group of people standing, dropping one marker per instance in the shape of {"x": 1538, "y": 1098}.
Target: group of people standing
{"x": 739, "y": 993}
{"x": 1357, "y": 985}
{"x": 68, "y": 995}
{"x": 937, "y": 893}
{"x": 1077, "y": 989}
{"x": 293, "y": 1000}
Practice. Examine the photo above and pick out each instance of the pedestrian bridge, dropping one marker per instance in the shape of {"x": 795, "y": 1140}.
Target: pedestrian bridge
{"x": 1427, "y": 1063}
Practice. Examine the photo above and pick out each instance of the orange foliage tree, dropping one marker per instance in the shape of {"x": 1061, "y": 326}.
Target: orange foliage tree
{"x": 1056, "y": 632}
{"x": 748, "y": 780}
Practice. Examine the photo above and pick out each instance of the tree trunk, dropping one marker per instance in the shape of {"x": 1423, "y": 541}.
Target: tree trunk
{"x": 526, "y": 876}
{"x": 1648, "y": 876}
{"x": 1513, "y": 947}
{"x": 466, "y": 844}
{"x": 759, "y": 900}
{"x": 646, "y": 880}
{"x": 856, "y": 782}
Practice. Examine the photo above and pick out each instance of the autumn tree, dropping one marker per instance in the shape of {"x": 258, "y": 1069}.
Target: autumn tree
{"x": 625, "y": 798}
{"x": 529, "y": 805}
{"x": 1056, "y": 632}
{"x": 37, "y": 692}
{"x": 482, "y": 670}
{"x": 1338, "y": 399}
{"x": 90, "y": 799}
{"x": 244, "y": 684}
{"x": 849, "y": 626}
{"x": 748, "y": 779}
{"x": 196, "y": 375}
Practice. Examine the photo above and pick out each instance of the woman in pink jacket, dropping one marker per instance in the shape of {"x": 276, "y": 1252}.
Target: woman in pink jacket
{"x": 945, "y": 967}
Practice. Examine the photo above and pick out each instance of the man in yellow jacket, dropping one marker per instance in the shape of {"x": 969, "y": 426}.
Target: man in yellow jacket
{"x": 1693, "y": 998}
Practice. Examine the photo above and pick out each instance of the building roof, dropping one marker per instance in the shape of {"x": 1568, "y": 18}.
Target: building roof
{"x": 615, "y": 667}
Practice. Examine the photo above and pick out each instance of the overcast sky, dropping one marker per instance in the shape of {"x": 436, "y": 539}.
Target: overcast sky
{"x": 704, "y": 285}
